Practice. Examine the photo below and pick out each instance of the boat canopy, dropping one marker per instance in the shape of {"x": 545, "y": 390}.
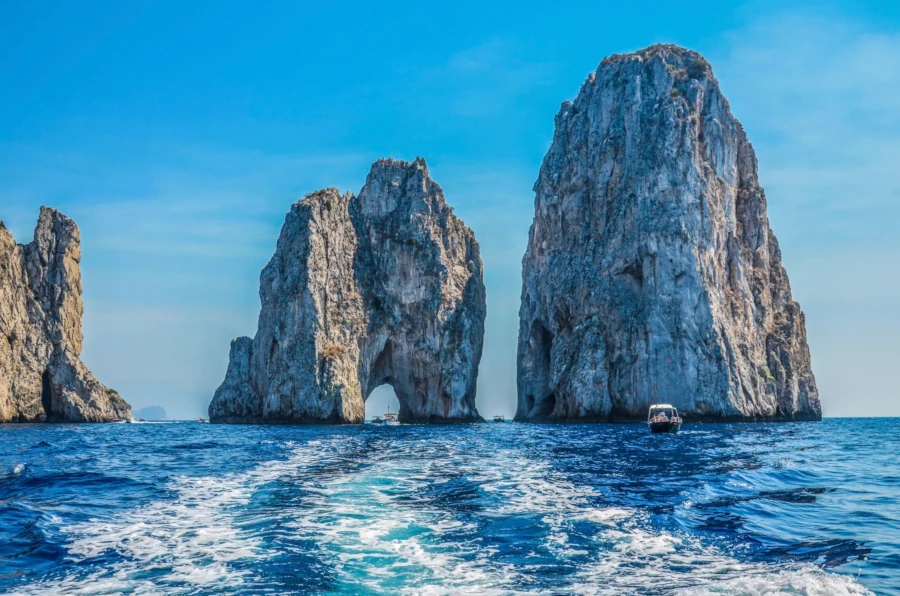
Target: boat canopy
{"x": 662, "y": 409}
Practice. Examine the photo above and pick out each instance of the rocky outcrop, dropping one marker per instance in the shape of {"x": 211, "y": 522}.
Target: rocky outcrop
{"x": 384, "y": 287}
{"x": 151, "y": 413}
{"x": 42, "y": 378}
{"x": 651, "y": 273}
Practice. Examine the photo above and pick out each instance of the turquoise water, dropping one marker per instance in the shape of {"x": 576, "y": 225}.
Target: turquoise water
{"x": 188, "y": 508}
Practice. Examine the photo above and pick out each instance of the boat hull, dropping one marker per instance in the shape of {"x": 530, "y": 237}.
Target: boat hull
{"x": 664, "y": 427}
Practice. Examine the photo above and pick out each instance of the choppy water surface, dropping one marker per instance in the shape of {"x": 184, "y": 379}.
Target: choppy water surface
{"x": 189, "y": 508}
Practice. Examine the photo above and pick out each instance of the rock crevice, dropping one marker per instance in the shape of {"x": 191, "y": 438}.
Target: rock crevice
{"x": 42, "y": 378}
{"x": 381, "y": 288}
{"x": 651, "y": 273}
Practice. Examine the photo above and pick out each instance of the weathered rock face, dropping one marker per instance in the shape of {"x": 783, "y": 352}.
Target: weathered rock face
{"x": 42, "y": 377}
{"x": 384, "y": 287}
{"x": 651, "y": 273}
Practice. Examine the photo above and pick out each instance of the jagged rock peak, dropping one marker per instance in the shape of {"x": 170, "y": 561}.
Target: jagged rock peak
{"x": 383, "y": 287}
{"x": 667, "y": 52}
{"x": 651, "y": 273}
{"x": 42, "y": 377}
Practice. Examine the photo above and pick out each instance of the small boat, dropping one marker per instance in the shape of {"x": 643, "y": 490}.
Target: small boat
{"x": 499, "y": 419}
{"x": 377, "y": 420}
{"x": 663, "y": 418}
{"x": 200, "y": 419}
{"x": 142, "y": 419}
{"x": 391, "y": 417}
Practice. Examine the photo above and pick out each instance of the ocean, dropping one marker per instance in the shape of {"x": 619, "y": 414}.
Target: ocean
{"x": 192, "y": 508}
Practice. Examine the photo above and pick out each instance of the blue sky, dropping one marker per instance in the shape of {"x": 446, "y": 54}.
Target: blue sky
{"x": 178, "y": 134}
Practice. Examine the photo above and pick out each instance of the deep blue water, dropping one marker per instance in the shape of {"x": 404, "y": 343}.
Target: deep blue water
{"x": 188, "y": 508}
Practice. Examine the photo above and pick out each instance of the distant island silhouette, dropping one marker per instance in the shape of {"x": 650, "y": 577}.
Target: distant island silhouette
{"x": 151, "y": 413}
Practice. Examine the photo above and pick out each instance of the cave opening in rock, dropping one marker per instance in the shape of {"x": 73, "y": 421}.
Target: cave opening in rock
{"x": 47, "y": 395}
{"x": 634, "y": 276}
{"x": 547, "y": 405}
{"x": 380, "y": 400}
{"x": 540, "y": 401}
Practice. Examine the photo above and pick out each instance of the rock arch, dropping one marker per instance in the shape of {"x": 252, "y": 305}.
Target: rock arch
{"x": 384, "y": 287}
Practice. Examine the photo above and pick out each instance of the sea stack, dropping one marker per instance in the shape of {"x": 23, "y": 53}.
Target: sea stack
{"x": 651, "y": 273}
{"x": 42, "y": 378}
{"x": 381, "y": 288}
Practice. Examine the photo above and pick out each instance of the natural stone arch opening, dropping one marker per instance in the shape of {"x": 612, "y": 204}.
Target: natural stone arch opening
{"x": 398, "y": 366}
{"x": 380, "y": 399}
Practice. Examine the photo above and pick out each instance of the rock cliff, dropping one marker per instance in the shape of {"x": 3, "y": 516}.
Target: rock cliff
{"x": 42, "y": 378}
{"x": 384, "y": 287}
{"x": 651, "y": 273}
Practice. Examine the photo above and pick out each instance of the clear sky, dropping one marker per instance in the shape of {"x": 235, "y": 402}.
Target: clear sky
{"x": 178, "y": 134}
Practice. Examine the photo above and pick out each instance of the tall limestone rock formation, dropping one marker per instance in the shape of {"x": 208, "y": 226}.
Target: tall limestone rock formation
{"x": 384, "y": 287}
{"x": 651, "y": 273}
{"x": 42, "y": 377}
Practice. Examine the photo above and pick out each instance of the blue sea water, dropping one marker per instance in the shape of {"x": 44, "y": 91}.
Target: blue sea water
{"x": 189, "y": 508}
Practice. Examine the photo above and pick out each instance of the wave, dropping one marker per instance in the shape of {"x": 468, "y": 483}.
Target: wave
{"x": 421, "y": 512}
{"x": 189, "y": 540}
{"x": 381, "y": 533}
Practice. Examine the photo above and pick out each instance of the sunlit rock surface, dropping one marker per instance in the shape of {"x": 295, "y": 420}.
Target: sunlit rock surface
{"x": 384, "y": 287}
{"x": 651, "y": 273}
{"x": 42, "y": 378}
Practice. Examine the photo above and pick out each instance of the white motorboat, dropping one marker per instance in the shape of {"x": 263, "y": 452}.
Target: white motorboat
{"x": 663, "y": 418}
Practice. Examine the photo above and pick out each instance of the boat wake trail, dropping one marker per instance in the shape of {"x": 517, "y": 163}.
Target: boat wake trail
{"x": 615, "y": 550}
{"x": 484, "y": 509}
{"x": 177, "y": 545}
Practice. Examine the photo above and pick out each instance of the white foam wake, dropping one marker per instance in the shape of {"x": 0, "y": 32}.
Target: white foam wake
{"x": 381, "y": 536}
{"x": 173, "y": 545}
{"x": 630, "y": 556}
{"x": 377, "y": 527}
{"x": 806, "y": 581}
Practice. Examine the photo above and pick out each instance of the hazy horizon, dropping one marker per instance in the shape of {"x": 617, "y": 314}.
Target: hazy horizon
{"x": 177, "y": 138}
